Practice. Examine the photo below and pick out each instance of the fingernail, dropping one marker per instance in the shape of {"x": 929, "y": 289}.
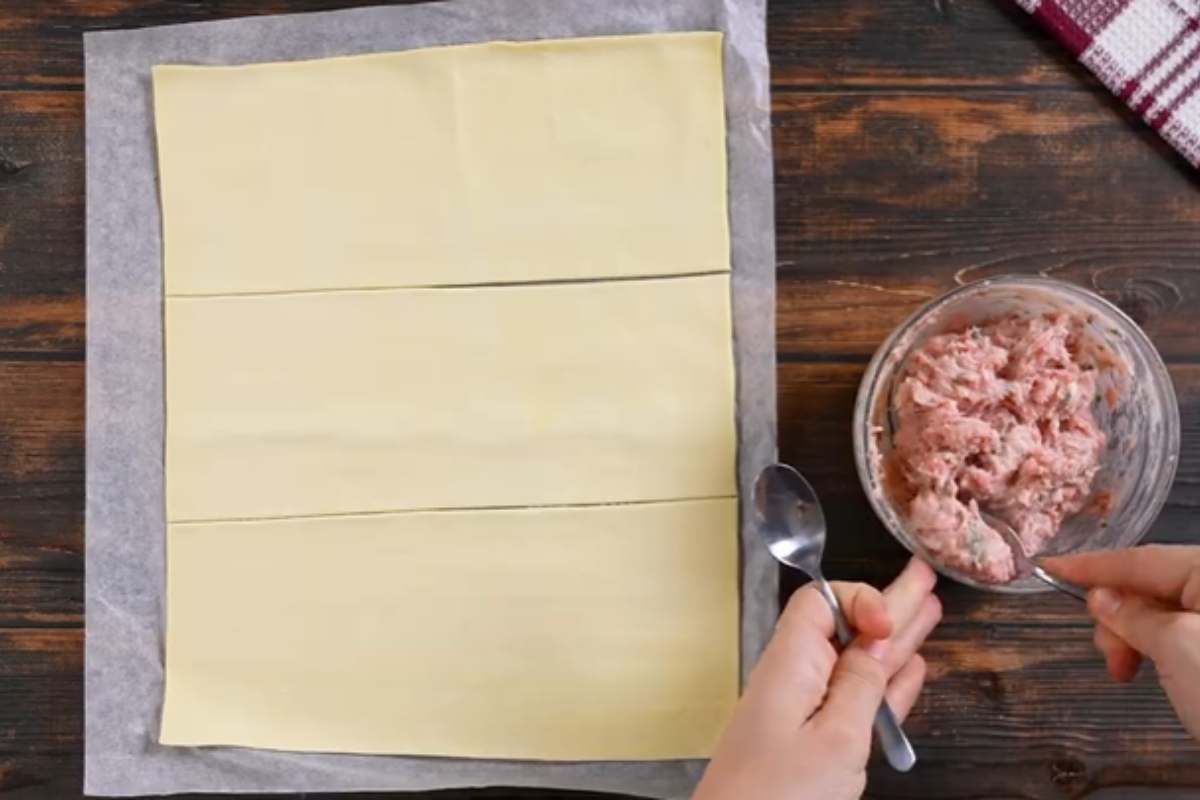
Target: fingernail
{"x": 1106, "y": 602}
{"x": 878, "y": 649}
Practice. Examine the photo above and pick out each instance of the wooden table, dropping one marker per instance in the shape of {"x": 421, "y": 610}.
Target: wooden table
{"x": 918, "y": 145}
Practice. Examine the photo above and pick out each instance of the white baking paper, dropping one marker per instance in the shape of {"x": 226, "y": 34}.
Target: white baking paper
{"x": 125, "y": 519}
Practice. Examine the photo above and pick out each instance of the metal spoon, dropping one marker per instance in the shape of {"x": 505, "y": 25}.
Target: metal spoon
{"x": 1027, "y": 563}
{"x": 792, "y": 524}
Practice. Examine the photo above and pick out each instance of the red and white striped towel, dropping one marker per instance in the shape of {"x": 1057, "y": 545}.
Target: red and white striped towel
{"x": 1146, "y": 51}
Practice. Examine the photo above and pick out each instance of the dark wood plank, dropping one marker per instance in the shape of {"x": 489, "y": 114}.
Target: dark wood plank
{"x": 1014, "y": 711}
{"x": 41, "y": 692}
{"x": 41, "y": 210}
{"x": 29, "y": 776}
{"x": 41, "y": 493}
{"x": 821, "y": 43}
{"x": 41, "y": 424}
{"x": 41, "y": 45}
{"x": 974, "y": 45}
{"x": 884, "y": 201}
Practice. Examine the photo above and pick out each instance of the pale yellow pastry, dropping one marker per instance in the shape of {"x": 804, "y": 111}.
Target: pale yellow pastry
{"x": 457, "y": 165}
{"x": 600, "y": 633}
{"x": 411, "y": 514}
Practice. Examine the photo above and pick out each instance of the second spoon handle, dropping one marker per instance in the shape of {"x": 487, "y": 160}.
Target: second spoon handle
{"x": 1064, "y": 586}
{"x": 895, "y": 745}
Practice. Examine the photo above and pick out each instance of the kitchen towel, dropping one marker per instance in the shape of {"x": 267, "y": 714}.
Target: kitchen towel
{"x": 1146, "y": 51}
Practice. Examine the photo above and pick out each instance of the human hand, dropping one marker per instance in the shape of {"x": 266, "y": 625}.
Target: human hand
{"x": 803, "y": 727}
{"x": 1146, "y": 602}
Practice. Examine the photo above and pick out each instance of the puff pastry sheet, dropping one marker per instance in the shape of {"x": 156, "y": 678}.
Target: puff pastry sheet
{"x": 441, "y": 398}
{"x": 483, "y": 163}
{"x": 598, "y": 633}
{"x": 412, "y": 513}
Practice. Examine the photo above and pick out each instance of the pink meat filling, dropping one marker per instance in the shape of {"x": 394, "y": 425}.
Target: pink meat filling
{"x": 997, "y": 417}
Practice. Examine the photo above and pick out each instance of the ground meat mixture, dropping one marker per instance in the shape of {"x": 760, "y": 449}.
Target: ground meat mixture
{"x": 995, "y": 417}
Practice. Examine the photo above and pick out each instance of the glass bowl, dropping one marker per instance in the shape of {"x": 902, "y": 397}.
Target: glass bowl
{"x": 1139, "y": 463}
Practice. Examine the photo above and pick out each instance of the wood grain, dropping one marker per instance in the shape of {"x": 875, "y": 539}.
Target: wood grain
{"x": 43, "y": 48}
{"x": 41, "y": 212}
{"x": 918, "y": 145}
{"x": 41, "y": 693}
{"x": 41, "y": 494}
{"x": 835, "y": 45}
{"x": 885, "y": 201}
{"x": 973, "y": 44}
{"x": 1032, "y": 703}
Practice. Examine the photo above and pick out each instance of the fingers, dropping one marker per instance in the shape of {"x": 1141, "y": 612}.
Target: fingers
{"x": 1121, "y": 659}
{"x": 1142, "y": 624}
{"x": 855, "y": 692}
{"x": 899, "y": 650}
{"x": 790, "y": 679}
{"x": 1170, "y": 573}
{"x": 907, "y": 594}
{"x": 871, "y": 614}
{"x": 906, "y": 686}
{"x": 914, "y": 612}
{"x": 865, "y": 609}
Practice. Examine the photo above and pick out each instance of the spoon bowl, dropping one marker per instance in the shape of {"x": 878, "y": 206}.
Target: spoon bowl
{"x": 1027, "y": 564}
{"x": 790, "y": 519}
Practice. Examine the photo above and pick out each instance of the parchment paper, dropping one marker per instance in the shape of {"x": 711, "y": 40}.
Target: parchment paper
{"x": 125, "y": 519}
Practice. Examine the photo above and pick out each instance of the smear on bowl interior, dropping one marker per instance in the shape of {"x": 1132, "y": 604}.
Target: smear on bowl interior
{"x": 998, "y": 417}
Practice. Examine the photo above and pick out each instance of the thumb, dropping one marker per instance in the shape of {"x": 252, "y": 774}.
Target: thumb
{"x": 1138, "y": 621}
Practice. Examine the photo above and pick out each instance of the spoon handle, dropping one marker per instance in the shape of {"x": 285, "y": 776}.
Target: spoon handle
{"x": 1066, "y": 587}
{"x": 895, "y": 745}
{"x": 840, "y": 625}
